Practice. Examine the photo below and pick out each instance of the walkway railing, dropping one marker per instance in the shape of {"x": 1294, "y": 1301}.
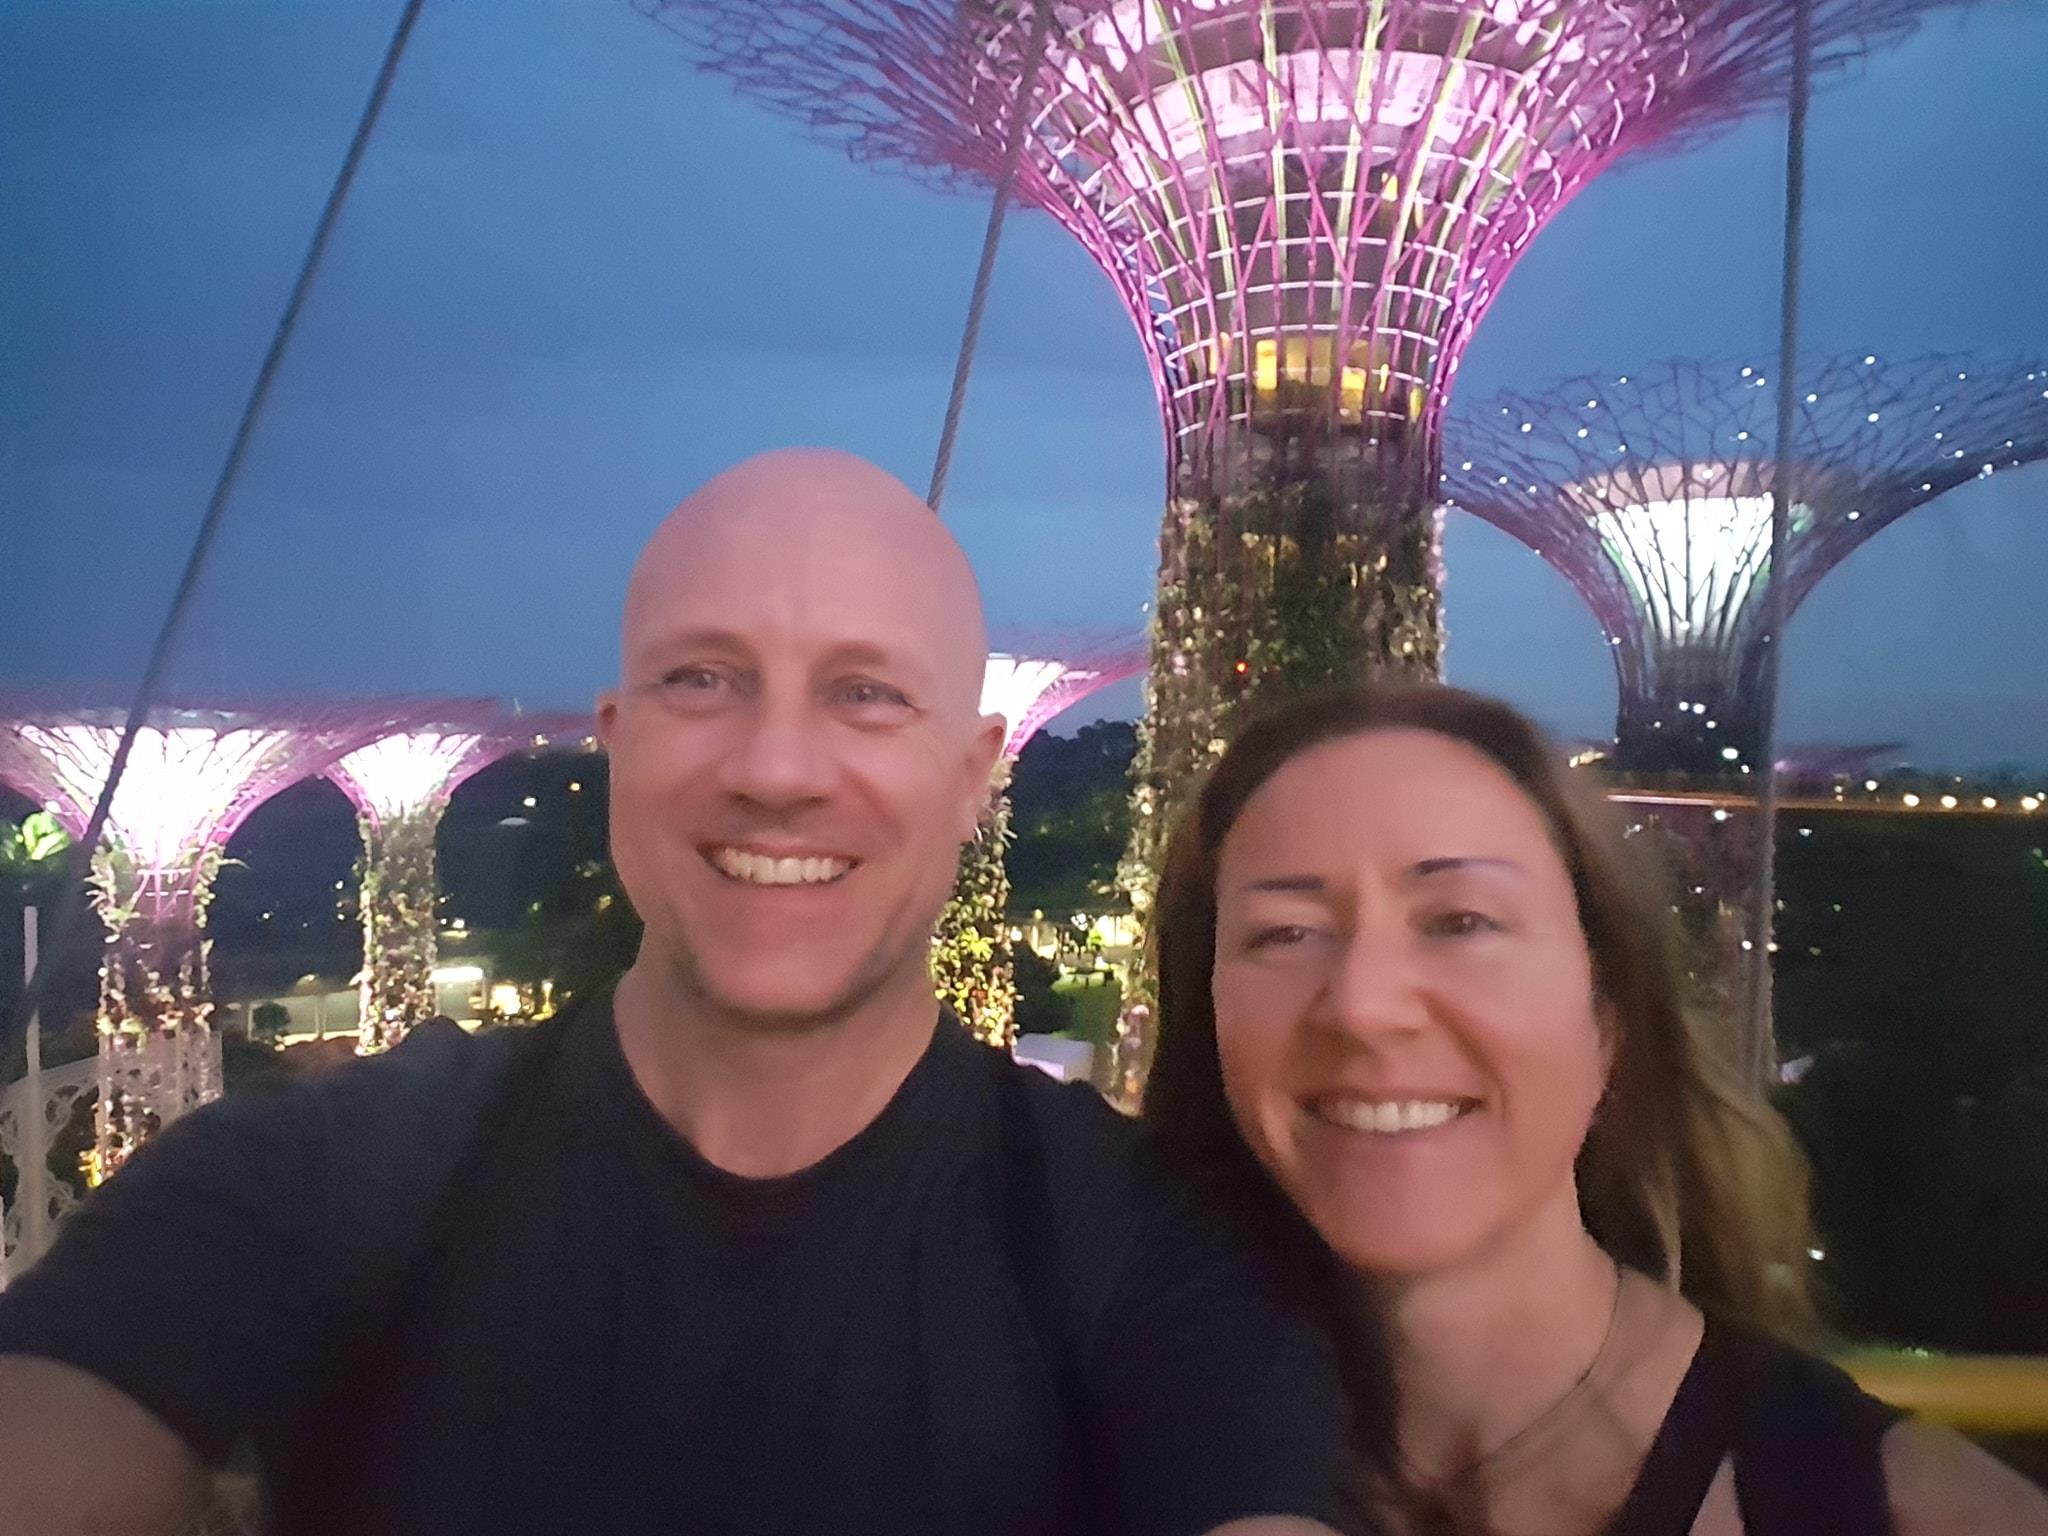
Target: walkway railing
{"x": 1982, "y": 1394}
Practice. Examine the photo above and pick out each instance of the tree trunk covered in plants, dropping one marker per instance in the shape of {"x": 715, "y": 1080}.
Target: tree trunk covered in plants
{"x": 1712, "y": 863}
{"x": 158, "y": 1053}
{"x": 401, "y": 925}
{"x": 1294, "y": 583}
{"x": 971, "y": 967}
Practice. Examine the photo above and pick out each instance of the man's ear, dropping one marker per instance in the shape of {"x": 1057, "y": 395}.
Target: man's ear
{"x": 983, "y": 755}
{"x": 607, "y": 716}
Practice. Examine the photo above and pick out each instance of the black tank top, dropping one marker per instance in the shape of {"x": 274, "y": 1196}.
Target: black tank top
{"x": 1807, "y": 1444}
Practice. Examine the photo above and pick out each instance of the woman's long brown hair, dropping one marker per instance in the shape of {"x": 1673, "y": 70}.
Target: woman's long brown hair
{"x": 1686, "y": 1174}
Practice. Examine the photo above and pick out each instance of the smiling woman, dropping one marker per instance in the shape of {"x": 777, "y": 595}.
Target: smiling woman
{"x": 1413, "y": 981}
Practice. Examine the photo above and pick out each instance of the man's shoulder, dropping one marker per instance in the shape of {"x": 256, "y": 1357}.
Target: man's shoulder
{"x": 1102, "y": 1173}
{"x": 1073, "y": 1120}
{"x": 432, "y": 1079}
{"x": 360, "y": 1133}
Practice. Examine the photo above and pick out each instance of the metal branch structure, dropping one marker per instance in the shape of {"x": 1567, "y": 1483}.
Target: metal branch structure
{"x": 400, "y": 785}
{"x": 971, "y": 953}
{"x": 1031, "y": 691}
{"x": 1651, "y": 493}
{"x": 1306, "y": 207}
{"x": 194, "y": 777}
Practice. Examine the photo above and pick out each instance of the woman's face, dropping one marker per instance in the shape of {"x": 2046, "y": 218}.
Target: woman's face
{"x": 1404, "y": 1000}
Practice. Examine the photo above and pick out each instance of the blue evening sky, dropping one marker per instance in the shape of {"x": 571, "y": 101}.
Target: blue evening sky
{"x": 576, "y": 278}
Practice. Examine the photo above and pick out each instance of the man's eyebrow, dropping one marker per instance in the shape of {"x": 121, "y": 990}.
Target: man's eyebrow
{"x": 896, "y": 664}
{"x": 689, "y": 638}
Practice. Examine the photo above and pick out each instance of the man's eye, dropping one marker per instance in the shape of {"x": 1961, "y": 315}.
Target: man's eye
{"x": 694, "y": 688}
{"x": 690, "y": 680}
{"x": 861, "y": 693}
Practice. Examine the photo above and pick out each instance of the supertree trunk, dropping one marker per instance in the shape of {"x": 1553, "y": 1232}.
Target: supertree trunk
{"x": 972, "y": 969}
{"x": 1697, "y": 727}
{"x": 1300, "y": 581}
{"x": 400, "y": 924}
{"x": 158, "y": 1053}
{"x": 1711, "y": 854}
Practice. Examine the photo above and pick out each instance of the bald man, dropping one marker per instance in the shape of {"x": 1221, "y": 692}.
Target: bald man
{"x": 760, "y": 1243}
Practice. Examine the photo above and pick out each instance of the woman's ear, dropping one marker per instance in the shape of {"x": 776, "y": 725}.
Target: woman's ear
{"x": 1608, "y": 1022}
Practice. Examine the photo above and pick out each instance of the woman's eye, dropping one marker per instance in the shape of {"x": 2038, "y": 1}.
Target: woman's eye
{"x": 1278, "y": 936}
{"x": 1459, "y": 924}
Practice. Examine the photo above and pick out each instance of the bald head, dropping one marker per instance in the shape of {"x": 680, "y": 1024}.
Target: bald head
{"x": 797, "y": 747}
{"x": 806, "y": 541}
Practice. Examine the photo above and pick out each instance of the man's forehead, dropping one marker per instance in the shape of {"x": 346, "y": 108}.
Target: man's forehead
{"x": 813, "y": 555}
{"x": 811, "y": 637}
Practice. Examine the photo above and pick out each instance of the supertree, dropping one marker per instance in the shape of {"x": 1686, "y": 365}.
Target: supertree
{"x": 400, "y": 785}
{"x": 971, "y": 963}
{"x": 194, "y": 776}
{"x": 1651, "y": 493}
{"x": 1306, "y": 207}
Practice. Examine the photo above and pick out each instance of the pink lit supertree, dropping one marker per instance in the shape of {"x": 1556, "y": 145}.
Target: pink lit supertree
{"x": 1651, "y": 493}
{"x": 194, "y": 776}
{"x": 400, "y": 785}
{"x": 1028, "y": 686}
{"x": 1306, "y": 207}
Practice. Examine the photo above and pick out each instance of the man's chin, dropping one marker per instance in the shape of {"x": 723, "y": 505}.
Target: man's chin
{"x": 783, "y": 1003}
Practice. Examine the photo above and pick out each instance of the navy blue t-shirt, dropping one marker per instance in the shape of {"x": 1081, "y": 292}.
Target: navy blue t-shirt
{"x": 480, "y": 1285}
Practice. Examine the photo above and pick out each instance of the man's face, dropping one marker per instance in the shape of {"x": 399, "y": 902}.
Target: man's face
{"x": 793, "y": 772}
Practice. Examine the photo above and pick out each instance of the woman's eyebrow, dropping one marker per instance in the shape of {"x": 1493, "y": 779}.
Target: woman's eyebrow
{"x": 1311, "y": 884}
{"x": 1423, "y": 868}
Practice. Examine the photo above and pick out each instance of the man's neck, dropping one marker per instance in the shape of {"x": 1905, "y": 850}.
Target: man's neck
{"x": 759, "y": 1101}
{"x": 1481, "y": 1350}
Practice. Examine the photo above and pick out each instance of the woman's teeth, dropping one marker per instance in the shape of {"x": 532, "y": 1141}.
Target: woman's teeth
{"x": 1385, "y": 1117}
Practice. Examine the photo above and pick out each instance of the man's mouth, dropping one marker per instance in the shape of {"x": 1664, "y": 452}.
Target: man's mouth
{"x": 752, "y": 867}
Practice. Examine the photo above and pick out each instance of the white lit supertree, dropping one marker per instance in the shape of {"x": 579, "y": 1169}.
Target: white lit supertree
{"x": 192, "y": 779}
{"x": 971, "y": 950}
{"x": 1651, "y": 494}
{"x": 400, "y": 785}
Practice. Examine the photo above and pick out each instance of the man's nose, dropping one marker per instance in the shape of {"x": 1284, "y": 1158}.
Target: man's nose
{"x": 781, "y": 756}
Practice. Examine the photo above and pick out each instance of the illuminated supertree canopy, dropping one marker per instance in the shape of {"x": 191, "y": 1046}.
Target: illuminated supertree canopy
{"x": 400, "y": 785}
{"x": 971, "y": 956}
{"x": 1651, "y": 493}
{"x": 193, "y": 777}
{"x": 1030, "y": 691}
{"x": 1306, "y": 207}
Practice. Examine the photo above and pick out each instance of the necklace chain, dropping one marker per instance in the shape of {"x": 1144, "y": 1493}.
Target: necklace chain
{"x": 1485, "y": 1459}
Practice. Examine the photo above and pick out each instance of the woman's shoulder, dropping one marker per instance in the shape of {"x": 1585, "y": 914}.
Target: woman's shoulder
{"x": 1939, "y": 1482}
{"x": 1812, "y": 1438}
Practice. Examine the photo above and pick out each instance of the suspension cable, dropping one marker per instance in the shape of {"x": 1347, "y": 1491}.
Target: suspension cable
{"x": 1759, "y": 1056}
{"x": 1017, "y": 131}
{"x": 78, "y": 867}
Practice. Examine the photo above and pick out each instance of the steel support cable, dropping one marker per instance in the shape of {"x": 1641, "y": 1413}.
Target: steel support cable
{"x": 79, "y": 866}
{"x": 1013, "y": 153}
{"x": 1758, "y": 1061}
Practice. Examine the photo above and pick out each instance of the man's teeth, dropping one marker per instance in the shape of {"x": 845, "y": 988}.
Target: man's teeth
{"x": 759, "y": 869}
{"x": 1384, "y": 1117}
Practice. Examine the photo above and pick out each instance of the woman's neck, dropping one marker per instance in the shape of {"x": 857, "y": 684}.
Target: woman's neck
{"x": 1482, "y": 1353}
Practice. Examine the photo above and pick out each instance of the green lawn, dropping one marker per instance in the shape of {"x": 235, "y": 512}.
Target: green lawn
{"x": 1095, "y": 1006}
